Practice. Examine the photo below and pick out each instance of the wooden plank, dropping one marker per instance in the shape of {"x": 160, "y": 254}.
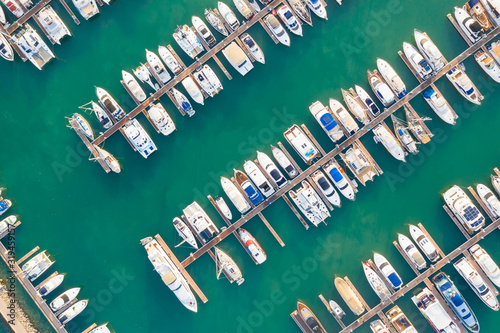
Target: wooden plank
{"x": 405, "y": 256}
{"x": 27, "y": 255}
{"x": 90, "y": 328}
{"x": 481, "y": 203}
{"x": 228, "y": 75}
{"x": 287, "y": 154}
{"x": 313, "y": 139}
{"x": 457, "y": 223}
{"x": 292, "y": 207}
{"x": 327, "y": 305}
{"x": 271, "y": 229}
{"x": 182, "y": 270}
{"x": 70, "y": 12}
{"x": 422, "y": 228}
{"x": 46, "y": 280}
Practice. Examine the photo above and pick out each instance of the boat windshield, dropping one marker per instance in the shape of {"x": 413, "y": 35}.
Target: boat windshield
{"x": 336, "y": 175}
{"x": 288, "y": 15}
{"x": 457, "y": 300}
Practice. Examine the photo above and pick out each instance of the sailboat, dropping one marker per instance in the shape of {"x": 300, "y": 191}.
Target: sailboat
{"x": 144, "y": 75}
{"x": 108, "y": 158}
{"x": 185, "y": 233}
{"x": 228, "y": 265}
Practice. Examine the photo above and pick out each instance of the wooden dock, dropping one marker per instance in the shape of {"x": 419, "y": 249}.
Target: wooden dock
{"x": 170, "y": 95}
{"x": 271, "y": 229}
{"x": 27, "y": 15}
{"x": 300, "y": 322}
{"x": 46, "y": 280}
{"x": 70, "y": 12}
{"x": 423, "y": 276}
{"x": 456, "y": 221}
{"x": 320, "y": 193}
{"x": 408, "y": 108}
{"x": 481, "y": 203}
{"x": 287, "y": 154}
{"x": 323, "y": 160}
{"x": 327, "y": 305}
{"x": 486, "y": 279}
{"x": 221, "y": 66}
{"x": 295, "y": 211}
{"x": 313, "y": 139}
{"x": 184, "y": 273}
{"x": 27, "y": 255}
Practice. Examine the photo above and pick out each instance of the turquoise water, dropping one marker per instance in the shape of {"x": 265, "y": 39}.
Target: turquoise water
{"x": 91, "y": 222}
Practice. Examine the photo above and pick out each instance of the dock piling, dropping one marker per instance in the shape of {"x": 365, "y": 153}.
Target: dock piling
{"x": 271, "y": 229}
{"x": 292, "y": 207}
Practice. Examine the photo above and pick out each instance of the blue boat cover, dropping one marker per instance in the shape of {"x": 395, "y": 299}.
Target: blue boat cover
{"x": 395, "y": 280}
{"x": 3, "y": 205}
{"x": 400, "y": 132}
{"x": 336, "y": 175}
{"x": 472, "y": 3}
{"x": 428, "y": 93}
{"x": 186, "y": 106}
{"x": 457, "y": 300}
{"x": 254, "y": 196}
{"x": 328, "y": 122}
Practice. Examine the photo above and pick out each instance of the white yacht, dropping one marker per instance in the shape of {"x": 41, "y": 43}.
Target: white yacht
{"x": 185, "y": 233}
{"x": 317, "y": 8}
{"x": 358, "y": 163}
{"x": 291, "y": 22}
{"x": 161, "y": 119}
{"x": 495, "y": 181}
{"x": 429, "y": 50}
{"x": 82, "y": 125}
{"x": 493, "y": 9}
{"x": 357, "y": 109}
{"x": 326, "y": 121}
{"x": 419, "y": 64}
{"x": 301, "y": 143}
{"x": 248, "y": 187}
{"x": 237, "y": 58}
{"x": 310, "y": 203}
{"x": 87, "y": 8}
{"x": 193, "y": 90}
{"x": 469, "y": 26}
{"x": 387, "y": 271}
{"x": 383, "y": 135}
{"x": 109, "y": 159}
{"x": 228, "y": 15}
{"x": 403, "y": 135}
{"x": 476, "y": 283}
{"x": 412, "y": 252}
{"x": 7, "y": 223}
{"x": 488, "y": 64}
{"x": 255, "y": 5}
{"x": 228, "y": 265}
{"x": 258, "y": 178}
{"x": 489, "y": 267}
{"x": 424, "y": 243}
{"x": 50, "y": 285}
{"x": 72, "y": 311}
{"x": 378, "y": 326}
{"x": 344, "y": 117}
{"x": 139, "y": 138}
{"x": 326, "y": 188}
{"x": 37, "y": 265}
{"x": 253, "y": 48}
{"x": 169, "y": 60}
{"x": 200, "y": 221}
{"x": 376, "y": 283}
{"x": 208, "y": 80}
{"x": 101, "y": 115}
{"x": 252, "y": 246}
{"x": 434, "y": 312}
{"x": 478, "y": 13}
{"x": 223, "y": 207}
{"x": 109, "y": 103}
{"x": 235, "y": 195}
{"x": 14, "y": 8}
{"x": 392, "y": 78}
{"x": 203, "y": 31}
{"x": 157, "y": 67}
{"x": 143, "y": 74}
{"x": 439, "y": 105}
{"x": 32, "y": 46}
{"x": 370, "y": 105}
{"x": 337, "y": 311}
{"x": 169, "y": 273}
{"x": 134, "y": 87}
{"x": 463, "y": 208}
{"x": 489, "y": 199}
{"x": 188, "y": 41}
{"x": 53, "y": 24}
{"x": 284, "y": 162}
{"x": 400, "y": 321}
{"x": 216, "y": 22}
{"x": 244, "y": 9}
{"x": 6, "y": 50}
{"x": 381, "y": 89}
{"x": 464, "y": 85}
{"x": 302, "y": 10}
{"x": 183, "y": 102}
{"x": 339, "y": 178}
{"x": 66, "y": 297}
{"x": 277, "y": 29}
{"x": 271, "y": 169}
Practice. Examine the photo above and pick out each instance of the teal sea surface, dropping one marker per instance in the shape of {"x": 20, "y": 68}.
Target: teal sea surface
{"x": 91, "y": 222}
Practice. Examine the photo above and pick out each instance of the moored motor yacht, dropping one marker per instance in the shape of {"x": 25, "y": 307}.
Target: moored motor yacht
{"x": 193, "y": 90}
{"x": 169, "y": 60}
{"x": 392, "y": 78}
{"x": 13, "y": 7}
{"x": 50, "y": 285}
{"x": 317, "y": 8}
{"x": 301, "y": 143}
{"x": 188, "y": 41}
{"x": 169, "y": 273}
{"x": 7, "y": 223}
{"x": 434, "y": 312}
{"x": 215, "y": 22}
{"x": 237, "y": 58}
{"x": 244, "y": 9}
{"x": 290, "y": 21}
{"x": 6, "y": 50}
{"x": 489, "y": 267}
{"x": 53, "y": 24}
{"x": 493, "y": 9}
{"x": 139, "y": 138}
{"x": 161, "y": 119}
{"x": 376, "y": 283}
{"x": 469, "y": 26}
{"x": 302, "y": 10}
{"x": 326, "y": 188}
{"x": 235, "y": 195}
{"x": 228, "y": 15}
{"x": 412, "y": 252}
{"x": 200, "y": 222}
{"x": 349, "y": 296}
{"x": 203, "y": 31}
{"x": 248, "y": 187}
{"x": 258, "y": 178}
{"x": 495, "y": 181}
{"x": 109, "y": 103}
{"x": 337, "y": 311}
{"x": 134, "y": 87}
{"x": 37, "y": 265}
{"x": 424, "y": 243}
{"x": 253, "y": 48}
{"x": 252, "y": 246}
{"x": 381, "y": 89}
{"x": 66, "y": 297}
{"x": 326, "y": 121}
{"x": 277, "y": 29}
{"x": 183, "y": 102}
{"x": 339, "y": 178}
{"x": 463, "y": 208}
{"x": 378, "y": 326}
{"x": 355, "y": 107}
{"x": 284, "y": 162}
{"x": 223, "y": 207}
{"x": 144, "y": 75}
{"x": 271, "y": 169}
{"x": 419, "y": 64}
{"x": 403, "y": 135}
{"x": 87, "y": 8}
{"x": 387, "y": 271}
{"x": 371, "y": 106}
{"x": 157, "y": 67}
{"x": 488, "y": 65}
{"x": 439, "y": 105}
{"x": 72, "y": 311}
{"x": 310, "y": 318}
{"x": 489, "y": 199}
{"x": 429, "y": 50}
{"x": 310, "y": 203}
{"x": 343, "y": 116}
{"x": 385, "y": 136}
{"x": 478, "y": 13}
{"x": 185, "y": 233}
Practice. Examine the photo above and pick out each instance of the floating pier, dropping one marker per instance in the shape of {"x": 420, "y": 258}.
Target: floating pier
{"x": 27, "y": 255}
{"x": 481, "y": 203}
{"x": 313, "y": 139}
{"x": 219, "y": 63}
{"x": 408, "y": 108}
{"x": 300, "y": 322}
{"x": 70, "y": 12}
{"x": 457, "y": 222}
{"x": 327, "y": 305}
{"x": 271, "y": 229}
{"x": 296, "y": 212}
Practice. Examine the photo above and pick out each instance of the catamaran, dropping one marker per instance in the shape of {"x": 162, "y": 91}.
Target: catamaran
{"x": 310, "y": 203}
{"x": 32, "y": 46}
{"x": 87, "y": 8}
{"x": 188, "y": 41}
{"x": 53, "y": 24}
{"x": 463, "y": 208}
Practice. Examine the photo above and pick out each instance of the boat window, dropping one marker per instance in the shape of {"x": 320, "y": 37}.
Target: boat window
{"x": 288, "y": 15}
